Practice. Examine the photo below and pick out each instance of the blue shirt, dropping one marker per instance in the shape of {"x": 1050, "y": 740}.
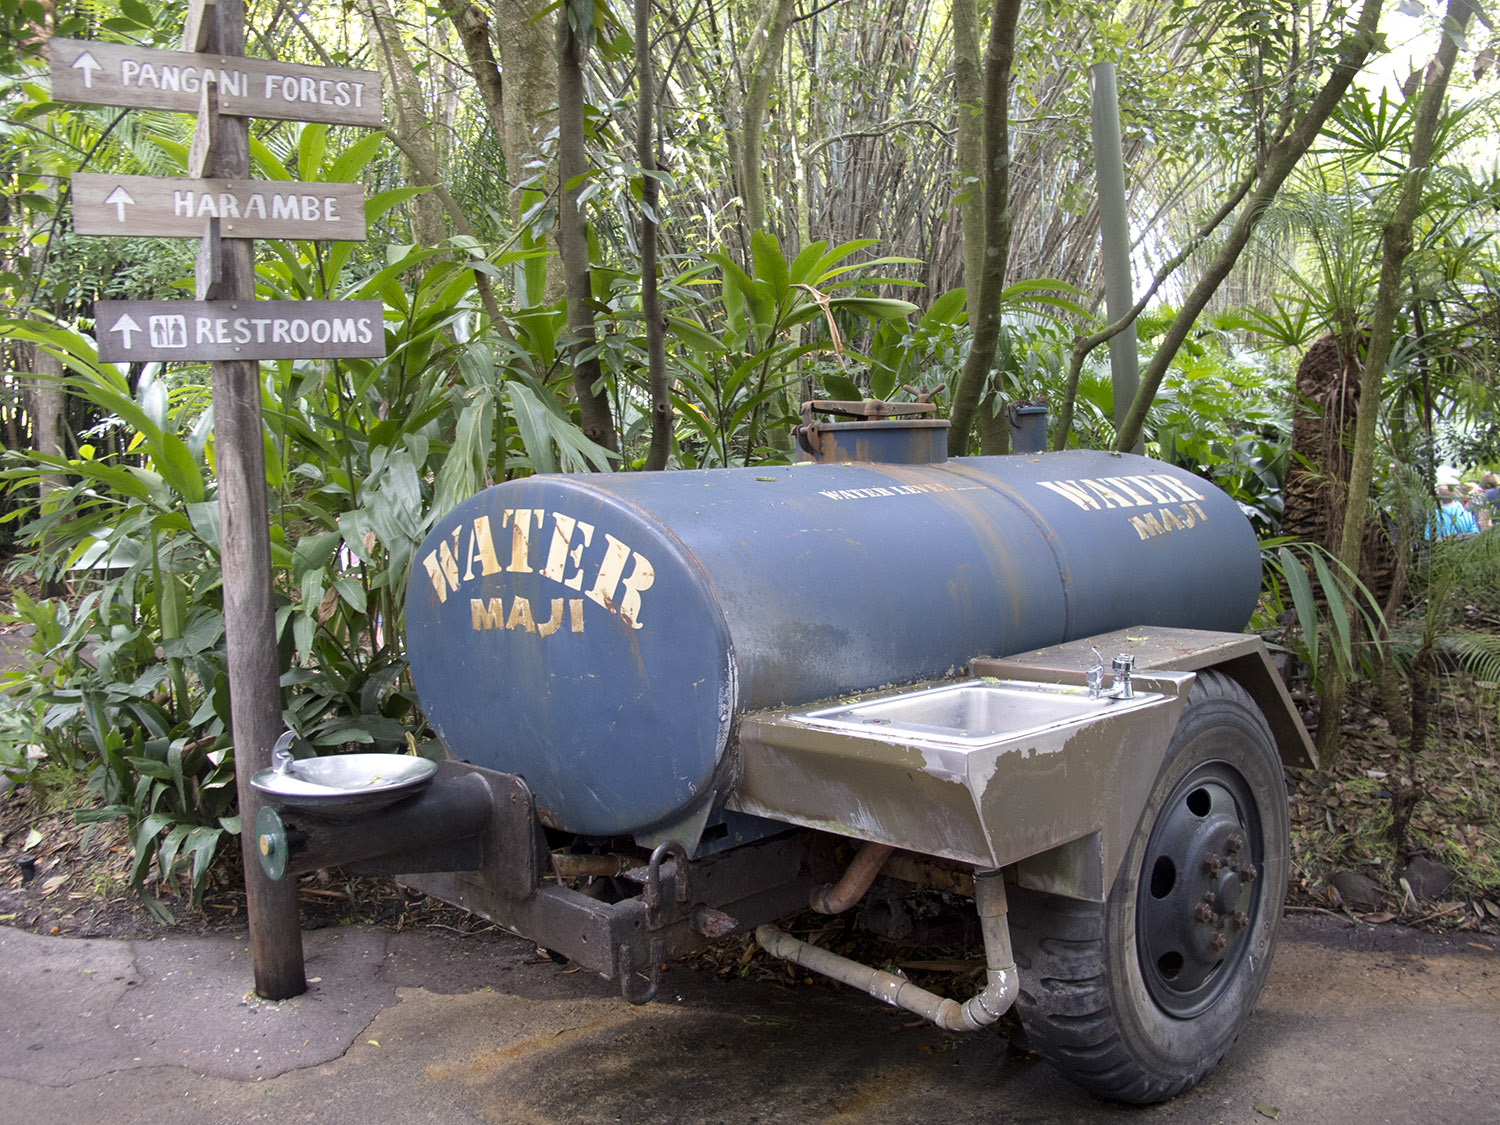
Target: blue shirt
{"x": 1452, "y": 518}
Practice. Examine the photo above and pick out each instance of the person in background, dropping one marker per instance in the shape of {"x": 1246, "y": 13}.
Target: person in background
{"x": 1484, "y": 500}
{"x": 1451, "y": 518}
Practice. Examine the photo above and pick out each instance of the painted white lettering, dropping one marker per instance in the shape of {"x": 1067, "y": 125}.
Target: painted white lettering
{"x": 606, "y": 582}
{"x": 1070, "y": 491}
{"x": 442, "y": 568}
{"x": 285, "y": 207}
{"x": 1145, "y": 526}
{"x": 481, "y": 547}
{"x": 1111, "y": 498}
{"x": 520, "y": 615}
{"x": 553, "y": 623}
{"x": 182, "y": 204}
{"x": 1123, "y": 484}
{"x": 482, "y": 616}
{"x": 560, "y": 551}
{"x": 204, "y": 329}
{"x": 1148, "y": 485}
{"x": 519, "y": 521}
{"x": 279, "y": 331}
{"x": 255, "y": 206}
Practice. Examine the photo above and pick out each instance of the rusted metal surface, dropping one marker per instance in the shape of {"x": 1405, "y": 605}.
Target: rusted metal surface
{"x": 897, "y": 433}
{"x": 738, "y": 889}
{"x": 989, "y": 804}
{"x": 1242, "y": 656}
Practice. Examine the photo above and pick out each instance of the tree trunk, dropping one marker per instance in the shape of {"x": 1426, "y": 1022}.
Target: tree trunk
{"x": 761, "y": 58}
{"x": 1283, "y": 157}
{"x": 412, "y": 119}
{"x": 655, "y": 323}
{"x": 473, "y": 28}
{"x": 1396, "y": 244}
{"x": 997, "y": 225}
{"x": 572, "y": 237}
{"x": 968, "y": 117}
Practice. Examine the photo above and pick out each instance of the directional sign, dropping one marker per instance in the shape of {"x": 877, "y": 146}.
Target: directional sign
{"x": 169, "y": 208}
{"x": 137, "y": 331}
{"x": 123, "y": 74}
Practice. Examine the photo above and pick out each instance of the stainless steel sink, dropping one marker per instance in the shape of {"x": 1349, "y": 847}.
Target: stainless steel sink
{"x": 345, "y": 783}
{"x": 972, "y": 713}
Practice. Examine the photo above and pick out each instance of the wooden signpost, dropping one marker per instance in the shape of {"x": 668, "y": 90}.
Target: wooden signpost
{"x": 141, "y": 331}
{"x": 227, "y": 326}
{"x": 173, "y": 208}
{"x": 122, "y": 74}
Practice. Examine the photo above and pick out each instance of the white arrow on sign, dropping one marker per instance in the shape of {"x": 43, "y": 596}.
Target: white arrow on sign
{"x": 125, "y": 326}
{"x": 87, "y": 63}
{"x": 119, "y": 197}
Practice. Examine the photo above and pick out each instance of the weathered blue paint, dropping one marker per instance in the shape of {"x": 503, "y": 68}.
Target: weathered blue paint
{"x": 609, "y": 673}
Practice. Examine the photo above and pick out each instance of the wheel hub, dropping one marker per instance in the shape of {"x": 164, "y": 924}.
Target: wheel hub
{"x": 1199, "y": 897}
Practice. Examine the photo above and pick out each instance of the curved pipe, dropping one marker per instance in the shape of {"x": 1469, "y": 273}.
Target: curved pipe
{"x": 1002, "y": 981}
{"x": 856, "y": 881}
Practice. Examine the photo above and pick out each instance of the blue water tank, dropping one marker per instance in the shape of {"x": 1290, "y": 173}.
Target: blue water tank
{"x": 600, "y": 634}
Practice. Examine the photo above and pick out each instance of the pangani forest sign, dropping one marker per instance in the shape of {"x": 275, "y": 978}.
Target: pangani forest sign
{"x": 122, "y": 74}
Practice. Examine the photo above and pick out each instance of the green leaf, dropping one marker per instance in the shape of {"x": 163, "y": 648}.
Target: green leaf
{"x": 770, "y": 266}
{"x": 841, "y": 387}
{"x": 179, "y": 468}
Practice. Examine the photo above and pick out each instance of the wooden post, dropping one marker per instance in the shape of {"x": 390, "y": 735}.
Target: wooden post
{"x": 245, "y": 558}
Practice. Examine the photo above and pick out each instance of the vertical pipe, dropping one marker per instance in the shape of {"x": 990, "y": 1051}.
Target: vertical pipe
{"x": 245, "y": 558}
{"x": 1114, "y": 231}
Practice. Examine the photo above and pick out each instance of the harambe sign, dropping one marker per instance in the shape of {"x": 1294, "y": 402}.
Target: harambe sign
{"x": 123, "y": 74}
{"x": 171, "y": 208}
{"x": 164, "y": 331}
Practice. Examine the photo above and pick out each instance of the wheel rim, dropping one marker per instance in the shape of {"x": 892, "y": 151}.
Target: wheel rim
{"x": 1200, "y": 894}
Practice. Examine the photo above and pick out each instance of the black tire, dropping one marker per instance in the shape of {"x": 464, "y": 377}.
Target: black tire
{"x": 1137, "y": 998}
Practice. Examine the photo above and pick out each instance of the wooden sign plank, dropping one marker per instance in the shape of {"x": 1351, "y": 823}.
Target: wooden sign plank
{"x": 166, "y": 331}
{"x": 205, "y": 130}
{"x": 122, "y": 74}
{"x": 195, "y": 29}
{"x": 208, "y": 270}
{"x": 163, "y": 207}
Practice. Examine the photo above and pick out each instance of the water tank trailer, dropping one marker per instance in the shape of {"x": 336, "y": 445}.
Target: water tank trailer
{"x": 683, "y": 705}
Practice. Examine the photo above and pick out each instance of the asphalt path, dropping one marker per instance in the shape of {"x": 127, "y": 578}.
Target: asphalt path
{"x": 1357, "y": 1024}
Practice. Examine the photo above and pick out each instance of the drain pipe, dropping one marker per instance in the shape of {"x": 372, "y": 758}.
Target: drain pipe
{"x": 1002, "y": 982}
{"x": 856, "y": 881}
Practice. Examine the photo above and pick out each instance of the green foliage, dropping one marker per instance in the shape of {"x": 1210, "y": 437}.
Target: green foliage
{"x": 739, "y": 354}
{"x": 1304, "y": 583}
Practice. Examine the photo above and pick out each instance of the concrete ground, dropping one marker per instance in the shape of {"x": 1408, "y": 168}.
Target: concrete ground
{"x": 1356, "y": 1025}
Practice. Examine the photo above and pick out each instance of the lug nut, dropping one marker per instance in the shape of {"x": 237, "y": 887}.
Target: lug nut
{"x": 1203, "y": 913}
{"x": 1247, "y": 873}
{"x": 1218, "y": 943}
{"x": 1212, "y": 863}
{"x": 1240, "y": 920}
{"x": 1234, "y": 843}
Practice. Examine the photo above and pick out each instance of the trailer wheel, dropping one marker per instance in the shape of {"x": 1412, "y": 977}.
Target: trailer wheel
{"x": 1137, "y": 998}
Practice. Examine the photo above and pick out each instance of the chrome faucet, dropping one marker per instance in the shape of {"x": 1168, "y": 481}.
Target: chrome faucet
{"x": 1120, "y": 669}
{"x": 281, "y": 753}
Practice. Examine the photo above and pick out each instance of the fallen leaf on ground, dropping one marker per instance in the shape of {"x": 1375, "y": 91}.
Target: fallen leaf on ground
{"x": 1267, "y": 1110}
